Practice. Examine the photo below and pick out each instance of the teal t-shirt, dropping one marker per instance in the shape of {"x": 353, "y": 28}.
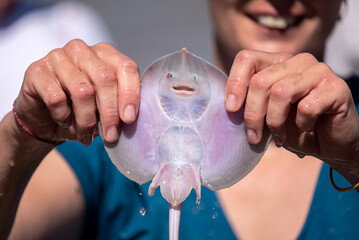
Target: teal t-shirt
{"x": 117, "y": 208}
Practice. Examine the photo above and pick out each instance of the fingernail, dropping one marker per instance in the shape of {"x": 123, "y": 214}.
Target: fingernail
{"x": 277, "y": 140}
{"x": 231, "y": 102}
{"x": 300, "y": 155}
{"x": 252, "y": 136}
{"x": 86, "y": 139}
{"x": 66, "y": 123}
{"x": 112, "y": 134}
{"x": 129, "y": 114}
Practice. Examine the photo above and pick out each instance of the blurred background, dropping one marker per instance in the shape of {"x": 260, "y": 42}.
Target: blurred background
{"x": 147, "y": 29}
{"x": 144, "y": 30}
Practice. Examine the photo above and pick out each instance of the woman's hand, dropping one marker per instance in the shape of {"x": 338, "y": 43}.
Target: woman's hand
{"x": 67, "y": 92}
{"x": 306, "y": 107}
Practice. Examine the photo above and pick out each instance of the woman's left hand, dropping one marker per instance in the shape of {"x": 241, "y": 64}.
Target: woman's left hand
{"x": 306, "y": 107}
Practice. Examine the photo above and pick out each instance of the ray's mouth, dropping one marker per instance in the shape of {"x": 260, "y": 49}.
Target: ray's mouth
{"x": 183, "y": 90}
{"x": 276, "y": 22}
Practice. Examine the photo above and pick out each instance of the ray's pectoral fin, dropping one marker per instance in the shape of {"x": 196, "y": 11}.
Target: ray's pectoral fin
{"x": 176, "y": 182}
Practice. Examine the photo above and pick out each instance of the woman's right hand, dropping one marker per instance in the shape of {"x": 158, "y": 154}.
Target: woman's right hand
{"x": 67, "y": 92}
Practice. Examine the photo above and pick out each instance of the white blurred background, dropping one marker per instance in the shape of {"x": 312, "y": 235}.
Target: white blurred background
{"x": 147, "y": 29}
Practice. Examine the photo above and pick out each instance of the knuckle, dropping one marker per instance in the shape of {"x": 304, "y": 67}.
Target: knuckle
{"x": 61, "y": 115}
{"x": 305, "y": 57}
{"x": 132, "y": 91}
{"x": 57, "y": 55}
{"x": 88, "y": 124}
{"x": 283, "y": 56}
{"x": 338, "y": 84}
{"x": 278, "y": 67}
{"x": 325, "y": 74}
{"x": 83, "y": 91}
{"x": 101, "y": 49}
{"x": 130, "y": 66}
{"x": 244, "y": 55}
{"x": 109, "y": 116}
{"x": 273, "y": 125}
{"x": 76, "y": 44}
{"x": 294, "y": 79}
{"x": 251, "y": 117}
{"x": 36, "y": 67}
{"x": 101, "y": 46}
{"x": 233, "y": 80}
{"x": 55, "y": 98}
{"x": 105, "y": 77}
{"x": 323, "y": 69}
{"x": 341, "y": 92}
{"x": 280, "y": 90}
{"x": 306, "y": 109}
{"x": 110, "y": 111}
{"x": 274, "y": 122}
{"x": 258, "y": 81}
{"x": 342, "y": 88}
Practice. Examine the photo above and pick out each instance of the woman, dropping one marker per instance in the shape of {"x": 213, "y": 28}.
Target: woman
{"x": 307, "y": 108}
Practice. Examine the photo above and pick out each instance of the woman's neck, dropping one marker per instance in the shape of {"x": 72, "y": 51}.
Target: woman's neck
{"x": 222, "y": 59}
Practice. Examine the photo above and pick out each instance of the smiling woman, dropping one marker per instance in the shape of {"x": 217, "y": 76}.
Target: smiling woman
{"x": 273, "y": 26}
{"x": 308, "y": 110}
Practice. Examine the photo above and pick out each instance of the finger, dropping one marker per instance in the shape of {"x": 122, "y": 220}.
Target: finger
{"x": 245, "y": 65}
{"x": 260, "y": 89}
{"x": 326, "y": 98}
{"x": 104, "y": 82}
{"x": 288, "y": 90}
{"x": 128, "y": 77}
{"x": 81, "y": 92}
{"x": 41, "y": 82}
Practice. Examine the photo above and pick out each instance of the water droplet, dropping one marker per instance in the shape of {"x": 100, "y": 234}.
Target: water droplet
{"x": 210, "y": 233}
{"x": 140, "y": 194}
{"x": 215, "y": 215}
{"x": 143, "y": 211}
{"x": 195, "y": 210}
{"x": 128, "y": 173}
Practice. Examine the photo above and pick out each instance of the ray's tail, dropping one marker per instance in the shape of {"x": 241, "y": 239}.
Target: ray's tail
{"x": 174, "y": 221}
{"x": 176, "y": 183}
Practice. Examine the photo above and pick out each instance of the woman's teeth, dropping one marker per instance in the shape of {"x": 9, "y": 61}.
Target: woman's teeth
{"x": 272, "y": 22}
{"x": 276, "y": 22}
